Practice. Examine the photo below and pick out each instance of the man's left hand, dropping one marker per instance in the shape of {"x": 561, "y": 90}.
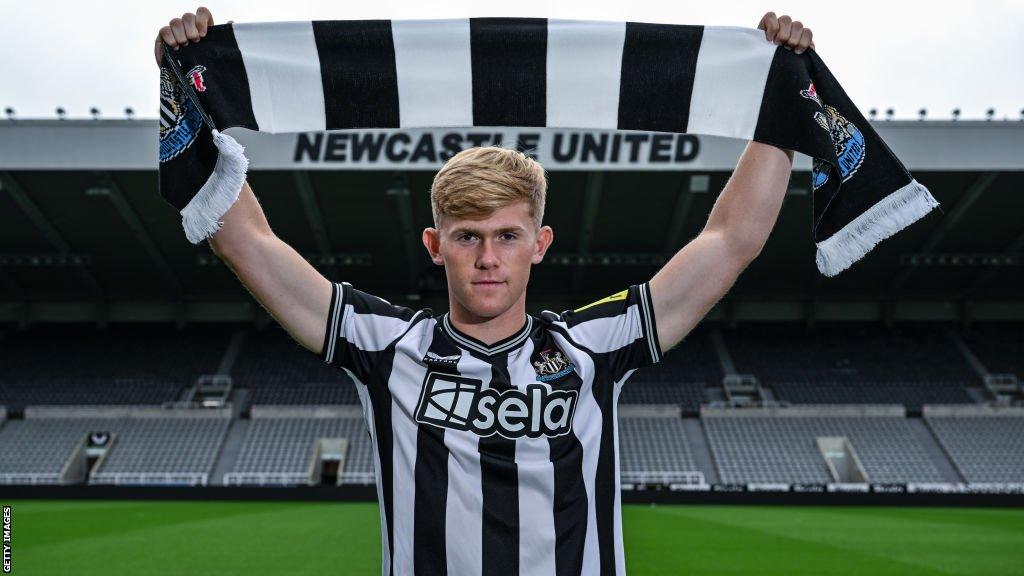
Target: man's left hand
{"x": 785, "y": 31}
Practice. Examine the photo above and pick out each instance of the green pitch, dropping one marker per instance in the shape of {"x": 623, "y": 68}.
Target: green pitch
{"x": 248, "y": 538}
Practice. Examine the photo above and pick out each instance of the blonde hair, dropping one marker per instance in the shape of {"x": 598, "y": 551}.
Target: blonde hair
{"x": 478, "y": 181}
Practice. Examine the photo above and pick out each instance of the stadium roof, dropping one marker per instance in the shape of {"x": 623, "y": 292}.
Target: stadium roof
{"x": 85, "y": 235}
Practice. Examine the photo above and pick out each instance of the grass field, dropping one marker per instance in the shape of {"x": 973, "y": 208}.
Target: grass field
{"x": 144, "y": 538}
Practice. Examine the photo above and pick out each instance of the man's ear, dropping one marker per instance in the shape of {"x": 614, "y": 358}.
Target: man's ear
{"x": 545, "y": 236}
{"x": 432, "y": 241}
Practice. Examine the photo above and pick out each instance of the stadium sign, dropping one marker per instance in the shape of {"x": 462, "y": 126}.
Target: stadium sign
{"x": 132, "y": 145}
{"x": 725, "y": 487}
{"x": 768, "y": 487}
{"x": 889, "y": 488}
{"x": 553, "y": 148}
{"x": 808, "y": 488}
{"x": 847, "y": 487}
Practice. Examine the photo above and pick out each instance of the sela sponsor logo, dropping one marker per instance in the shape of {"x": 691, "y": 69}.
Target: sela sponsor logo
{"x": 460, "y": 403}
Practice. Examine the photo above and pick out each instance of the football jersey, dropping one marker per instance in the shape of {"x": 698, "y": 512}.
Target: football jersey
{"x": 494, "y": 459}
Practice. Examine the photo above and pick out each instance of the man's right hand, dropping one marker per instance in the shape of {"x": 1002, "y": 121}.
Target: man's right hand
{"x": 180, "y": 31}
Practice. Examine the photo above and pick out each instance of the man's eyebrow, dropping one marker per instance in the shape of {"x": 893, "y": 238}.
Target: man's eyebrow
{"x": 464, "y": 229}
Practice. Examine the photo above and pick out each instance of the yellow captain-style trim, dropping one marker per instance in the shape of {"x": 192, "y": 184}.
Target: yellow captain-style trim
{"x": 617, "y": 296}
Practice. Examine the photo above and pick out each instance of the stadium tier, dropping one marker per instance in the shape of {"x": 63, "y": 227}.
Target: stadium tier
{"x": 654, "y": 449}
{"x": 682, "y": 376}
{"x": 270, "y": 357}
{"x": 783, "y": 448}
{"x": 73, "y": 364}
{"x": 41, "y": 446}
{"x": 278, "y": 371}
{"x": 279, "y": 450}
{"x": 984, "y": 448}
{"x": 913, "y": 395}
{"x": 853, "y": 362}
{"x": 675, "y": 427}
{"x": 161, "y": 450}
{"x": 85, "y": 390}
{"x": 141, "y": 351}
{"x": 341, "y": 391}
{"x": 998, "y": 345}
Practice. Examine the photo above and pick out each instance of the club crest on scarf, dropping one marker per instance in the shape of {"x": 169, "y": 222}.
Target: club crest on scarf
{"x": 180, "y": 120}
{"x": 847, "y": 138}
{"x": 552, "y": 365}
{"x": 195, "y": 76}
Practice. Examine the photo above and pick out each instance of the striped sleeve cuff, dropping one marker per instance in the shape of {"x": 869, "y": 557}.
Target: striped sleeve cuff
{"x": 647, "y": 322}
{"x": 335, "y": 316}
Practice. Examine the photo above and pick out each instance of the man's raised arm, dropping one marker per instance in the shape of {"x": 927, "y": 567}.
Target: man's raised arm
{"x": 295, "y": 294}
{"x": 277, "y": 276}
{"x": 697, "y": 276}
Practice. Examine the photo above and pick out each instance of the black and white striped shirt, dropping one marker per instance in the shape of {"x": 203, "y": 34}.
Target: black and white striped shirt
{"x": 494, "y": 459}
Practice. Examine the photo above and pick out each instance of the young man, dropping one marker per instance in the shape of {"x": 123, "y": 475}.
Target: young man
{"x": 494, "y": 431}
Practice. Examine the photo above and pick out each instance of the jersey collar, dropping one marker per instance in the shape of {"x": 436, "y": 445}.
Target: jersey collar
{"x": 503, "y": 345}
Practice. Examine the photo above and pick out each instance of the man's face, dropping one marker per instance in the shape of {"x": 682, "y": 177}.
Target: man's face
{"x": 488, "y": 261}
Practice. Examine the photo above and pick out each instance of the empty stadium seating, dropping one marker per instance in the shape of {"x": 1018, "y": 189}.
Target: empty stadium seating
{"x": 71, "y": 364}
{"x": 999, "y": 346}
{"x": 342, "y": 391}
{"x": 783, "y": 448}
{"x": 147, "y": 446}
{"x": 652, "y": 448}
{"x": 153, "y": 446}
{"x": 852, "y": 362}
{"x": 983, "y": 448}
{"x": 688, "y": 395}
{"x": 41, "y": 446}
{"x": 85, "y": 390}
{"x": 833, "y": 365}
{"x": 270, "y": 357}
{"x": 150, "y": 351}
{"x": 913, "y": 395}
{"x": 681, "y": 376}
{"x": 285, "y": 446}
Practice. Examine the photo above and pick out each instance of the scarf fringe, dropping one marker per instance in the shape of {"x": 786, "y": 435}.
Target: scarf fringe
{"x": 201, "y": 217}
{"x": 894, "y": 213}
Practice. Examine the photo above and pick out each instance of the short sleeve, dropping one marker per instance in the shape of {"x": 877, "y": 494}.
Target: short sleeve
{"x": 361, "y": 330}
{"x": 620, "y": 327}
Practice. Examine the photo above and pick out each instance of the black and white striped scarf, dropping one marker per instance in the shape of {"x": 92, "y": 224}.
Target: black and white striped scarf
{"x": 526, "y": 72}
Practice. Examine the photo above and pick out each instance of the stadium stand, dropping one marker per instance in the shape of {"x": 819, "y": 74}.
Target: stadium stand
{"x": 41, "y": 446}
{"x": 284, "y": 447}
{"x": 151, "y": 447}
{"x": 279, "y": 371}
{"x": 688, "y": 395}
{"x": 984, "y": 447}
{"x": 913, "y": 395}
{"x": 121, "y": 364}
{"x": 782, "y": 448}
{"x": 852, "y": 362}
{"x": 680, "y": 378}
{"x": 141, "y": 448}
{"x": 999, "y": 346}
{"x": 307, "y": 393}
{"x": 79, "y": 391}
{"x": 838, "y": 366}
{"x": 653, "y": 449}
